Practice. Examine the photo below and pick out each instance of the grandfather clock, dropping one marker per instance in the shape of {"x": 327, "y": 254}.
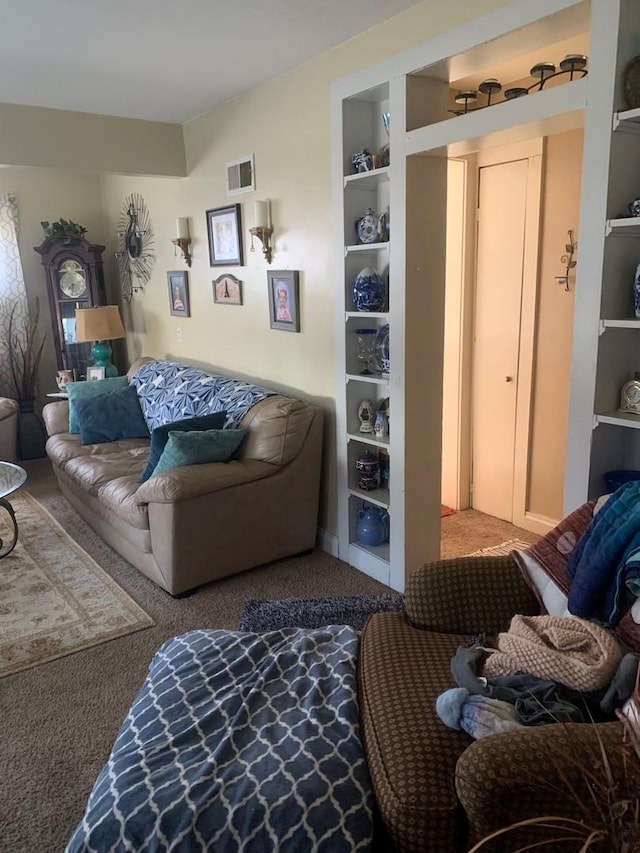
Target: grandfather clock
{"x": 75, "y": 279}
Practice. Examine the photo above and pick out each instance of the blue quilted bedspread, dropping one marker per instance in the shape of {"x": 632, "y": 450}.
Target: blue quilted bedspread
{"x": 238, "y": 741}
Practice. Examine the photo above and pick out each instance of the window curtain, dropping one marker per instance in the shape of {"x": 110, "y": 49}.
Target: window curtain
{"x": 13, "y": 294}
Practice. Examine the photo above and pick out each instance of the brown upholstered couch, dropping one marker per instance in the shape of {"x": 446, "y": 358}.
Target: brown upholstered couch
{"x": 199, "y": 523}
{"x": 437, "y": 790}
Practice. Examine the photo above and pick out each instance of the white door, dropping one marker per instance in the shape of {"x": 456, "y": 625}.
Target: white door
{"x": 504, "y": 261}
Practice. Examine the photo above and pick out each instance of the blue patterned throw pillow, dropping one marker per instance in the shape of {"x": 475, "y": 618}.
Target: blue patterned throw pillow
{"x": 111, "y": 417}
{"x": 82, "y": 390}
{"x": 160, "y": 436}
{"x": 196, "y": 448}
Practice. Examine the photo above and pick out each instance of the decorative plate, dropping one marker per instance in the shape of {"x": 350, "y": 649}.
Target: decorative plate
{"x": 631, "y": 83}
{"x": 367, "y": 227}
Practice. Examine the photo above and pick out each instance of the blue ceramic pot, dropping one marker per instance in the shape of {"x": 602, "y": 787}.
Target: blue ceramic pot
{"x": 369, "y": 291}
{"x": 373, "y": 525}
{"x": 382, "y": 351}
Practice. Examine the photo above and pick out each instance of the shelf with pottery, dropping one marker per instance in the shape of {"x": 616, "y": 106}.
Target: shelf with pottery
{"x": 622, "y": 419}
{"x": 367, "y": 180}
{"x": 625, "y": 226}
{"x": 367, "y": 315}
{"x": 364, "y": 248}
{"x": 368, "y": 438}
{"x": 627, "y": 121}
{"x": 631, "y": 323}
{"x": 378, "y": 497}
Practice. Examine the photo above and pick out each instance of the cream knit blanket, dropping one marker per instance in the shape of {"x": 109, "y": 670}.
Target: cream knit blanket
{"x": 572, "y": 651}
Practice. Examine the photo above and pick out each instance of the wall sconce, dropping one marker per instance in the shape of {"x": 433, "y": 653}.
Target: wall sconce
{"x": 263, "y": 229}
{"x": 183, "y": 239}
{"x": 568, "y": 260}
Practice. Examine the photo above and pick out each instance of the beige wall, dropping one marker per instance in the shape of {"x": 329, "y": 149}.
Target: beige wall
{"x": 560, "y": 212}
{"x": 286, "y": 123}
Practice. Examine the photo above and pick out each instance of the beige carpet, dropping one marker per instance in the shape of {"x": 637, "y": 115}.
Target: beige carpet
{"x": 54, "y": 598}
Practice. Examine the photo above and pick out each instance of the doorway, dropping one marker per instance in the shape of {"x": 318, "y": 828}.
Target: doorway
{"x": 507, "y": 234}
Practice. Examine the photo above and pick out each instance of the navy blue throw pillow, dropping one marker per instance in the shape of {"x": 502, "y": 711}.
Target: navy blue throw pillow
{"x": 160, "y": 436}
{"x": 110, "y": 417}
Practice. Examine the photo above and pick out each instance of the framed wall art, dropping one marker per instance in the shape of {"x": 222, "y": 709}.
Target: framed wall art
{"x": 178, "y": 285}
{"x": 95, "y": 372}
{"x": 284, "y": 300}
{"x": 224, "y": 230}
{"x": 227, "y": 290}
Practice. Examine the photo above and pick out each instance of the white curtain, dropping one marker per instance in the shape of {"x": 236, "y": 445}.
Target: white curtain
{"x": 12, "y": 290}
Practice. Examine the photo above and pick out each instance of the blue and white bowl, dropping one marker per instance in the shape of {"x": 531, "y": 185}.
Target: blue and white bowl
{"x": 382, "y": 351}
{"x": 369, "y": 291}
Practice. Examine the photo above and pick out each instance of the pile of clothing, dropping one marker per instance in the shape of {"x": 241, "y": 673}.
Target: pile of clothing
{"x": 544, "y": 669}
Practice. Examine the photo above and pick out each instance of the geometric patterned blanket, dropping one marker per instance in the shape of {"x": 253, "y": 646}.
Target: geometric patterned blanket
{"x": 238, "y": 741}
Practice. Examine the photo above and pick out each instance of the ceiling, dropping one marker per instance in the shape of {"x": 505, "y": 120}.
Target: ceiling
{"x": 165, "y": 60}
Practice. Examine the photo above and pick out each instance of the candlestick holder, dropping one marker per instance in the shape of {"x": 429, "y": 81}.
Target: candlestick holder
{"x": 264, "y": 235}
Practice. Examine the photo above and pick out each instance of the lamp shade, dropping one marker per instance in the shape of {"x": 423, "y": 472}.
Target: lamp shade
{"x": 99, "y": 324}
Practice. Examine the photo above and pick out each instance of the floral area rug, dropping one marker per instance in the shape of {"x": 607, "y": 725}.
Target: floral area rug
{"x": 54, "y": 598}
{"x": 503, "y": 549}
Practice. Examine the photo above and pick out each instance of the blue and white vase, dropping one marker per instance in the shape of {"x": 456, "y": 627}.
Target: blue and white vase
{"x": 382, "y": 351}
{"x": 369, "y": 291}
{"x": 636, "y": 293}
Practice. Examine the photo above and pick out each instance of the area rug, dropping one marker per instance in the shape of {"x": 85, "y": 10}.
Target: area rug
{"x": 54, "y": 598}
{"x": 502, "y": 549}
{"x": 262, "y": 615}
{"x": 446, "y": 510}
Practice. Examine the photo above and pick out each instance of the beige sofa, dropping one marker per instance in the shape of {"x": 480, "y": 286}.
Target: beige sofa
{"x": 8, "y": 429}
{"x": 195, "y": 524}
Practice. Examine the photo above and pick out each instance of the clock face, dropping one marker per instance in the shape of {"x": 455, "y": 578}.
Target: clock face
{"x": 71, "y": 279}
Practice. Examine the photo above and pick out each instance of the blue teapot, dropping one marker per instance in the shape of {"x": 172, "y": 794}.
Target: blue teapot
{"x": 373, "y": 525}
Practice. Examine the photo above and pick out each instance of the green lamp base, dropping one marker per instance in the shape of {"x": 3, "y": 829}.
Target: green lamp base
{"x": 101, "y": 352}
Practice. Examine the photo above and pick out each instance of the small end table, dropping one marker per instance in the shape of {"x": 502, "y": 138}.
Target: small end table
{"x": 11, "y": 478}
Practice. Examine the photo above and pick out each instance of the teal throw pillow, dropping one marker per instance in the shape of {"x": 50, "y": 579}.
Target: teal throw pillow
{"x": 111, "y": 417}
{"x": 82, "y": 390}
{"x": 160, "y": 436}
{"x": 195, "y": 448}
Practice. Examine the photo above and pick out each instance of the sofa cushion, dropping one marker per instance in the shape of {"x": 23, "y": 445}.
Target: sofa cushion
{"x": 197, "y": 448}
{"x": 410, "y": 753}
{"x": 160, "y": 436}
{"x": 82, "y": 390}
{"x": 118, "y": 496}
{"x": 111, "y": 417}
{"x": 106, "y": 462}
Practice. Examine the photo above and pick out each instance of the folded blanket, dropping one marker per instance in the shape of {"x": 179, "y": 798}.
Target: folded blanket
{"x": 606, "y": 560}
{"x": 573, "y": 651}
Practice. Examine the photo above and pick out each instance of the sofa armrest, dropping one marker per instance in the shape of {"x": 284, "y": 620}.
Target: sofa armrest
{"x": 468, "y": 595}
{"x": 56, "y": 417}
{"x": 190, "y": 481}
{"x": 513, "y": 776}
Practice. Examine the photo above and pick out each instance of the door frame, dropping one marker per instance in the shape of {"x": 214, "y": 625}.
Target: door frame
{"x": 533, "y": 151}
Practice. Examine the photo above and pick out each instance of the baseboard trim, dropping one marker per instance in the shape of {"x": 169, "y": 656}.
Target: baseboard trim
{"x": 538, "y": 523}
{"x": 327, "y": 542}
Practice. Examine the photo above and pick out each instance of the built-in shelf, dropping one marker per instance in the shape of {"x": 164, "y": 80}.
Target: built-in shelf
{"x": 359, "y": 377}
{"x": 379, "y": 551}
{"x": 368, "y": 438}
{"x": 367, "y": 180}
{"x": 627, "y": 121}
{"x": 623, "y": 419}
{"x": 618, "y": 324}
{"x": 378, "y": 497}
{"x": 543, "y": 113}
{"x": 367, "y": 315}
{"x": 366, "y": 247}
{"x": 625, "y": 225}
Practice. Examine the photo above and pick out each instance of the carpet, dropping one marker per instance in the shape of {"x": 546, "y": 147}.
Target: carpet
{"x": 268, "y": 615}
{"x": 503, "y": 549}
{"x": 54, "y": 598}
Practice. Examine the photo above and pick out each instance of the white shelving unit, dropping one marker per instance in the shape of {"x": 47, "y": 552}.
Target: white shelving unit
{"x": 415, "y": 89}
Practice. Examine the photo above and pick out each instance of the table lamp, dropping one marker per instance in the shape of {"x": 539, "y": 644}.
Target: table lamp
{"x": 100, "y": 325}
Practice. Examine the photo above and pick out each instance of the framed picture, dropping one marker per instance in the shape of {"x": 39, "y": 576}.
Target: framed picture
{"x": 284, "y": 300}
{"x": 95, "y": 372}
{"x": 178, "y": 284}
{"x": 227, "y": 289}
{"x": 224, "y": 229}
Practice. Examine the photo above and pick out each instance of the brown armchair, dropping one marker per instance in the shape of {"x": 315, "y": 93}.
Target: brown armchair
{"x": 437, "y": 789}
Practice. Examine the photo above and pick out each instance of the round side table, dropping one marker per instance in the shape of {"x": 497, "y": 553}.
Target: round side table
{"x": 11, "y": 478}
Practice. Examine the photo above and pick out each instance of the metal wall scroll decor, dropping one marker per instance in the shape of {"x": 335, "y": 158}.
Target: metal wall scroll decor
{"x": 574, "y": 65}
{"x": 135, "y": 254}
{"x": 568, "y": 260}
